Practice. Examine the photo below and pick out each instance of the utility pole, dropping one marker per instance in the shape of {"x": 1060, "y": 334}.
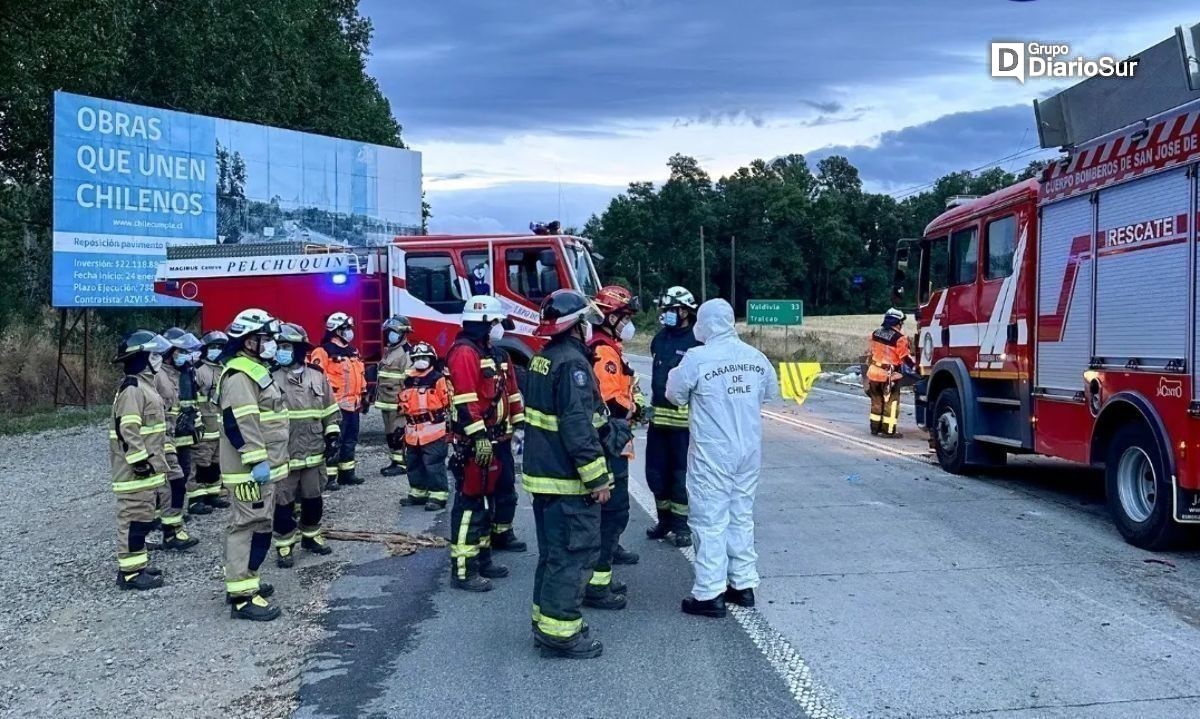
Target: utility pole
{"x": 641, "y": 294}
{"x": 703, "y": 272}
{"x": 733, "y": 273}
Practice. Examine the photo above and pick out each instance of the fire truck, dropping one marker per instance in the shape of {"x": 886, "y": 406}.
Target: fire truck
{"x": 1059, "y": 317}
{"x": 426, "y": 278}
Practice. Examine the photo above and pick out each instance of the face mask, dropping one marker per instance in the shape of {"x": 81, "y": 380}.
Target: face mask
{"x": 393, "y": 338}
{"x": 179, "y": 359}
{"x": 669, "y": 319}
{"x": 627, "y": 331}
{"x": 421, "y": 364}
{"x": 155, "y": 362}
{"x": 213, "y": 353}
{"x": 496, "y": 332}
{"x": 267, "y": 349}
{"x": 348, "y": 335}
{"x": 283, "y": 357}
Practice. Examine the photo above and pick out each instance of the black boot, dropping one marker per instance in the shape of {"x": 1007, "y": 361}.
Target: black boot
{"x": 603, "y": 598}
{"x": 507, "y": 541}
{"x": 683, "y": 538}
{"x": 286, "y": 558}
{"x": 622, "y": 555}
{"x": 660, "y": 530}
{"x": 139, "y": 579}
{"x": 435, "y": 505}
{"x": 493, "y": 571}
{"x": 473, "y": 584}
{"x": 179, "y": 540}
{"x": 740, "y": 597}
{"x": 316, "y": 545}
{"x": 200, "y": 507}
{"x": 714, "y": 607}
{"x": 348, "y": 477}
{"x": 395, "y": 469}
{"x": 255, "y": 609}
{"x": 216, "y": 501}
{"x": 617, "y": 587}
{"x": 579, "y": 649}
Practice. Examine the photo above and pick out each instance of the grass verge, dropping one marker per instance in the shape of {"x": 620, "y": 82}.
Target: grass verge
{"x": 44, "y": 419}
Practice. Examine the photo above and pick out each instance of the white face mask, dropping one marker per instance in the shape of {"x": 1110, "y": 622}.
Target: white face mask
{"x": 267, "y": 349}
{"x": 496, "y": 333}
{"x": 155, "y": 362}
{"x": 627, "y": 331}
{"x": 421, "y": 364}
{"x": 587, "y": 331}
{"x": 348, "y": 335}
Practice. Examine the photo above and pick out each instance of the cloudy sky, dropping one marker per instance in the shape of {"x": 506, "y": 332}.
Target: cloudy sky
{"x": 527, "y": 109}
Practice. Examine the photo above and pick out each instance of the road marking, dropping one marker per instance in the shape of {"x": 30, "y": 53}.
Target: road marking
{"x": 918, "y": 457}
{"x": 816, "y": 701}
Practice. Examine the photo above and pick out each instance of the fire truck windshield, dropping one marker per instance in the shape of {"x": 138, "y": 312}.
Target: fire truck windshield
{"x": 582, "y": 270}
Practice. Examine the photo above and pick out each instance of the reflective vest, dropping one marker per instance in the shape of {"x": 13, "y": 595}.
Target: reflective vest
{"x": 423, "y": 402}
{"x": 615, "y": 379}
{"x": 254, "y": 420}
{"x": 346, "y": 373}
{"x": 888, "y": 350}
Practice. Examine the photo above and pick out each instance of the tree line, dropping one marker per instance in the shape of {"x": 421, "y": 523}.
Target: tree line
{"x": 812, "y": 235}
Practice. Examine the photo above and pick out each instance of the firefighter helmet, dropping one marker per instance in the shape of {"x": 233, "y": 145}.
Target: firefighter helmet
{"x": 677, "y": 297}
{"x": 337, "y": 321}
{"x": 216, "y": 338}
{"x": 616, "y": 300}
{"x": 396, "y": 323}
{"x": 483, "y": 308}
{"x": 423, "y": 349}
{"x": 181, "y": 339}
{"x": 565, "y": 309}
{"x": 140, "y": 341}
{"x": 293, "y": 333}
{"x": 253, "y": 321}
{"x": 893, "y": 317}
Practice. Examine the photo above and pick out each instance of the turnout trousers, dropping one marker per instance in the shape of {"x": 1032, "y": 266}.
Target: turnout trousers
{"x": 885, "y": 407}
{"x": 304, "y": 486}
{"x": 470, "y": 535}
{"x": 392, "y": 421}
{"x": 504, "y": 499}
{"x": 248, "y": 540}
{"x": 568, "y": 537}
{"x": 135, "y": 520}
{"x": 427, "y": 471}
{"x": 173, "y": 495}
{"x": 666, "y": 474}
{"x": 206, "y": 479}
{"x": 349, "y": 442}
{"x": 614, "y": 517}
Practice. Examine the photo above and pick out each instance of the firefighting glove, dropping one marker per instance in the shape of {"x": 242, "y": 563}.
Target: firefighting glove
{"x": 142, "y": 469}
{"x": 186, "y": 424}
{"x": 483, "y": 451}
{"x": 396, "y": 439}
{"x": 261, "y": 472}
{"x": 333, "y": 444}
{"x": 247, "y": 492}
{"x": 366, "y": 403}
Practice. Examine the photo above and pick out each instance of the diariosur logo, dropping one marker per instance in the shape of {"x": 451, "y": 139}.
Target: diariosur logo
{"x": 1030, "y": 60}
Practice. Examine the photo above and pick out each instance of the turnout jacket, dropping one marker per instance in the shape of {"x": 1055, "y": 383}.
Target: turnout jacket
{"x": 668, "y": 348}
{"x": 254, "y": 421}
{"x": 483, "y": 387}
{"x": 168, "y": 391}
{"x": 887, "y": 350}
{"x": 563, "y": 413}
{"x": 210, "y": 416}
{"x": 138, "y": 433}
{"x": 178, "y": 389}
{"x": 345, "y": 371}
{"x": 390, "y": 375}
{"x": 312, "y": 413}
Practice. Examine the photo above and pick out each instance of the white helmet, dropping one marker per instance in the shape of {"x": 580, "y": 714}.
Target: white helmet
{"x": 253, "y": 321}
{"x": 337, "y": 321}
{"x": 895, "y": 314}
{"x": 677, "y": 297}
{"x": 483, "y": 308}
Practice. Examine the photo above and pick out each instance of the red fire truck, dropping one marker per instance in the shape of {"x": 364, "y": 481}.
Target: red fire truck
{"x": 1060, "y": 318}
{"x": 427, "y": 278}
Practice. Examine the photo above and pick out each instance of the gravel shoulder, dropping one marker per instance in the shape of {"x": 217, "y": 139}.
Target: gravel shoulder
{"x": 74, "y": 645}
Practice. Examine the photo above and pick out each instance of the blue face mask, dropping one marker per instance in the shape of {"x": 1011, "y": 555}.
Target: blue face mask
{"x": 669, "y": 319}
{"x": 284, "y": 357}
{"x": 393, "y": 338}
{"x": 214, "y": 353}
{"x": 179, "y": 359}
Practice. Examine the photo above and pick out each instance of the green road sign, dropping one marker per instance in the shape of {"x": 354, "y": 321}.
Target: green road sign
{"x": 774, "y": 312}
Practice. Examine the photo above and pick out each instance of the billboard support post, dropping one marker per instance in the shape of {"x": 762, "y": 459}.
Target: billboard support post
{"x": 69, "y": 392}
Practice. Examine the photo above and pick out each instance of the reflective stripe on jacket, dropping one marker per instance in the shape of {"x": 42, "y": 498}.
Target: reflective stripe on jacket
{"x": 563, "y": 412}
{"x": 424, "y": 400}
{"x": 210, "y": 414}
{"x": 254, "y": 421}
{"x": 392, "y": 367}
{"x": 137, "y": 433}
{"x": 345, "y": 371}
{"x": 477, "y": 386}
{"x": 888, "y": 350}
{"x": 311, "y": 412}
{"x": 668, "y": 348}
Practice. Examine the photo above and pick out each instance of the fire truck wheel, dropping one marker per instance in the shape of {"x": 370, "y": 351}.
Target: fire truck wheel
{"x": 947, "y": 432}
{"x": 1138, "y": 490}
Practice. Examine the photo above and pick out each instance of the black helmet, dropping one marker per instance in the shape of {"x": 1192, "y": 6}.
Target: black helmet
{"x": 293, "y": 333}
{"x": 140, "y": 341}
{"x": 181, "y": 339}
{"x": 397, "y": 323}
{"x": 216, "y": 338}
{"x": 564, "y": 309}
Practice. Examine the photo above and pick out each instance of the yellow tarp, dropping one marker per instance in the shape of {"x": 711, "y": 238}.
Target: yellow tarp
{"x": 796, "y": 379}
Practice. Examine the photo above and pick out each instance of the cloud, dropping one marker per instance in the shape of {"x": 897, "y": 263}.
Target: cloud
{"x": 512, "y": 206}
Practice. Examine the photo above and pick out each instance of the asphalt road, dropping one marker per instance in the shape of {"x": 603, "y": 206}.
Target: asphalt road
{"x": 890, "y": 589}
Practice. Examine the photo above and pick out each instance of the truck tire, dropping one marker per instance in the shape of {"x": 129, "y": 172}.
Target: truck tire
{"x": 947, "y": 432}
{"x": 1138, "y": 490}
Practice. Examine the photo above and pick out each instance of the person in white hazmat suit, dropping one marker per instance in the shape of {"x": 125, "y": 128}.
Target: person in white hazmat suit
{"x": 725, "y": 381}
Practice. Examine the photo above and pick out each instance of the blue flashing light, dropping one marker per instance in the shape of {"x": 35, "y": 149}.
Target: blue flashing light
{"x": 339, "y": 278}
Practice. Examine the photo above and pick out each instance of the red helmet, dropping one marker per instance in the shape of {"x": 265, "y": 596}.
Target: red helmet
{"x": 564, "y": 309}
{"x": 616, "y": 300}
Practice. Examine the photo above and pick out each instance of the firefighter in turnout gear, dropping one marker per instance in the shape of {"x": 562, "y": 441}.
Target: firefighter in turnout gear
{"x": 390, "y": 375}
{"x": 254, "y": 456}
{"x": 347, "y": 376}
{"x": 204, "y": 491}
{"x": 511, "y": 414}
{"x": 477, "y": 404}
{"x": 667, "y": 438}
{"x": 565, "y": 471}
{"x": 138, "y": 455}
{"x": 424, "y": 401}
{"x": 887, "y": 355}
{"x": 617, "y": 388}
{"x": 176, "y": 387}
{"x": 312, "y": 436}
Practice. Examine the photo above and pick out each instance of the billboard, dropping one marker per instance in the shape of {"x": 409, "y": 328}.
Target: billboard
{"x": 130, "y": 180}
